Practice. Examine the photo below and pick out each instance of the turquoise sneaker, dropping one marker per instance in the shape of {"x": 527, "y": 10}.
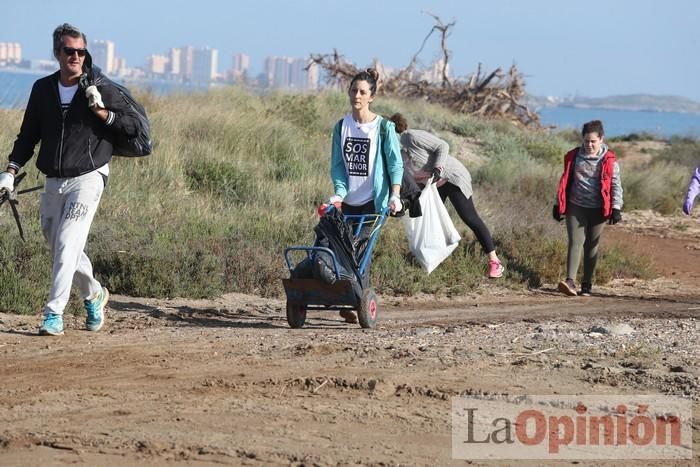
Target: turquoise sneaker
{"x": 95, "y": 309}
{"x": 52, "y": 325}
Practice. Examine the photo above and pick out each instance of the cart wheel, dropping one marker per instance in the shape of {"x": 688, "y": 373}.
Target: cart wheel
{"x": 367, "y": 311}
{"x": 296, "y": 315}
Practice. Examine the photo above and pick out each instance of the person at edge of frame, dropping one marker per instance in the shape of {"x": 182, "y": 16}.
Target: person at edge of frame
{"x": 77, "y": 129}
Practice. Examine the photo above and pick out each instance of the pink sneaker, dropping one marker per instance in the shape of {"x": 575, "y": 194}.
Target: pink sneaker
{"x": 495, "y": 269}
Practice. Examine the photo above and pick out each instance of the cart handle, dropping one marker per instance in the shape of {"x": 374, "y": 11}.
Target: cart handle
{"x": 309, "y": 250}
{"x": 373, "y": 238}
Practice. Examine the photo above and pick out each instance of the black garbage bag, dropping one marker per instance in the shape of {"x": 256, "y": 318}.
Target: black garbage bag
{"x": 303, "y": 269}
{"x": 137, "y": 145}
{"x": 410, "y": 194}
{"x": 334, "y": 233}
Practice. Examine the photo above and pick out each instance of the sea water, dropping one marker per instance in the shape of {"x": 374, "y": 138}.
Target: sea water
{"x": 625, "y": 122}
{"x": 16, "y": 86}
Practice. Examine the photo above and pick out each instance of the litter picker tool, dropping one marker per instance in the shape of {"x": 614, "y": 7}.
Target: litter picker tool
{"x": 11, "y": 197}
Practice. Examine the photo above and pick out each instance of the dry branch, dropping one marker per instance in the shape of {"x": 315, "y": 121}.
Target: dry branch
{"x": 492, "y": 95}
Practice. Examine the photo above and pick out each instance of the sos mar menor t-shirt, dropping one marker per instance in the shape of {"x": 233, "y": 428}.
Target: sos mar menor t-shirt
{"x": 359, "y": 146}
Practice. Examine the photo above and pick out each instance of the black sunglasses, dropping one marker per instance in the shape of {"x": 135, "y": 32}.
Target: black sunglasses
{"x": 70, "y": 51}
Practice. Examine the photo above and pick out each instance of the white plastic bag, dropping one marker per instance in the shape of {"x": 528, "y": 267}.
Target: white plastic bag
{"x": 432, "y": 237}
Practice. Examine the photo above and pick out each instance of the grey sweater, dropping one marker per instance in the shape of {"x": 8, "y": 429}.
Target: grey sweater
{"x": 585, "y": 187}
{"x": 422, "y": 151}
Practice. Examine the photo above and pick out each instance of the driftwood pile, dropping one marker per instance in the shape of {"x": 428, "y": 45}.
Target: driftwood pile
{"x": 490, "y": 95}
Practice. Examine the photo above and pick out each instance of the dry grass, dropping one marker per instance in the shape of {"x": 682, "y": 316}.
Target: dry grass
{"x": 235, "y": 178}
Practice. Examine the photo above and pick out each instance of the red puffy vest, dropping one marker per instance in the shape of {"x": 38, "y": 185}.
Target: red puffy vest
{"x": 606, "y": 174}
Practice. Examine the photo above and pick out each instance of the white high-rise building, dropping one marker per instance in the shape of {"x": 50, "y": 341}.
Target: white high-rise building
{"x": 102, "y": 52}
{"x": 269, "y": 72}
{"x": 119, "y": 65}
{"x": 10, "y": 53}
{"x": 103, "y": 55}
{"x": 175, "y": 61}
{"x": 277, "y": 72}
{"x": 297, "y": 73}
{"x": 291, "y": 73}
{"x": 280, "y": 78}
{"x": 205, "y": 64}
{"x": 157, "y": 64}
{"x": 17, "y": 56}
{"x": 186, "y": 61}
{"x": 240, "y": 68}
{"x": 241, "y": 63}
{"x": 312, "y": 76}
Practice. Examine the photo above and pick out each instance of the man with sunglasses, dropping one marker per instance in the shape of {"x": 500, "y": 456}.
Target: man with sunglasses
{"x": 77, "y": 132}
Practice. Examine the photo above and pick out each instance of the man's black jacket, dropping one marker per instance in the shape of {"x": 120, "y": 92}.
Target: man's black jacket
{"x": 75, "y": 144}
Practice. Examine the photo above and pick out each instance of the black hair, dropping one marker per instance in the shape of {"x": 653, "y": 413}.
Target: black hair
{"x": 594, "y": 126}
{"x": 371, "y": 76}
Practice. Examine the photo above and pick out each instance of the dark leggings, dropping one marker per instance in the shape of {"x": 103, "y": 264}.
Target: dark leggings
{"x": 466, "y": 211}
{"x": 584, "y": 227}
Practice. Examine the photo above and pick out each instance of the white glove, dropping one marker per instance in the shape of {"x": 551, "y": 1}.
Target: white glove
{"x": 7, "y": 182}
{"x": 335, "y": 199}
{"x": 395, "y": 204}
{"x": 94, "y": 97}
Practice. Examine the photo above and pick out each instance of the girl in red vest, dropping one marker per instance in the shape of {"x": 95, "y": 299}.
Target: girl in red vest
{"x": 590, "y": 194}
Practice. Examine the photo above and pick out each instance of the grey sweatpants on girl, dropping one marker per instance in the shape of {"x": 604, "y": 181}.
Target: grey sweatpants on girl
{"x": 584, "y": 227}
{"x": 67, "y": 208}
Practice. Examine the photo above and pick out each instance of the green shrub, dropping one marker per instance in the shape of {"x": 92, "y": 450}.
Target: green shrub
{"x": 632, "y": 137}
{"x": 660, "y": 187}
{"x": 299, "y": 109}
{"x": 516, "y": 175}
{"x": 222, "y": 179}
{"x": 681, "y": 151}
{"x": 534, "y": 259}
{"x": 25, "y": 269}
{"x": 161, "y": 273}
{"x": 619, "y": 262}
{"x": 571, "y": 136}
{"x": 546, "y": 149}
{"x": 396, "y": 271}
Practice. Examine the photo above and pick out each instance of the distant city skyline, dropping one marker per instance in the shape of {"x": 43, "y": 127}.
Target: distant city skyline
{"x": 199, "y": 66}
{"x": 594, "y": 48}
{"x": 184, "y": 65}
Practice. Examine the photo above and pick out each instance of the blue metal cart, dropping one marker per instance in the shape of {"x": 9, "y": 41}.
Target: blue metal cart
{"x": 316, "y": 294}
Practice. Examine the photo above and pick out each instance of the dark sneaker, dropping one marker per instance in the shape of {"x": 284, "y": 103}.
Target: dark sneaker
{"x": 567, "y": 287}
{"x": 52, "y": 325}
{"x": 95, "y": 310}
{"x": 349, "y": 316}
{"x": 585, "y": 289}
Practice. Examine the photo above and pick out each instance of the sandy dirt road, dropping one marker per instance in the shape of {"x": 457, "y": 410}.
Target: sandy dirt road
{"x": 225, "y": 381}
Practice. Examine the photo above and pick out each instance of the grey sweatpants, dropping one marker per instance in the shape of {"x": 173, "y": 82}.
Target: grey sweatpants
{"x": 68, "y": 206}
{"x": 584, "y": 227}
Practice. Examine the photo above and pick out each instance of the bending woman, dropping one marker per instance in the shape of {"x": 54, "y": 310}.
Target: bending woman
{"x": 425, "y": 155}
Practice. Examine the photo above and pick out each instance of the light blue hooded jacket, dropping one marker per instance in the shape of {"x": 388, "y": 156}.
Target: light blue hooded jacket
{"x": 388, "y": 164}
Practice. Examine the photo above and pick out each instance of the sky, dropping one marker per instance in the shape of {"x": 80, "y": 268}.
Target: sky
{"x": 592, "y": 48}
